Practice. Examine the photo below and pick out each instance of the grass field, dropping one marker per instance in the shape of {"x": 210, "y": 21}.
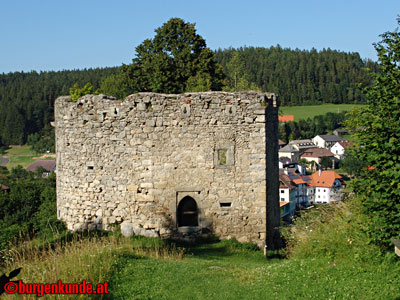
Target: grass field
{"x": 310, "y": 111}
{"x": 215, "y": 271}
{"x": 21, "y": 155}
{"x": 142, "y": 268}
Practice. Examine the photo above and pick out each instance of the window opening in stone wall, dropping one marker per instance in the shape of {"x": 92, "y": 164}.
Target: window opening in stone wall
{"x": 222, "y": 157}
{"x": 187, "y": 212}
{"x": 225, "y": 204}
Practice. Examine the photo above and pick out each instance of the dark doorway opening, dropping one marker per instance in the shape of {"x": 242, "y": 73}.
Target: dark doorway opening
{"x": 187, "y": 212}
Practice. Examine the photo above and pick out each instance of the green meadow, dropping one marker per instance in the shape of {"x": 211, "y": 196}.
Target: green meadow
{"x": 327, "y": 257}
{"x": 310, "y": 111}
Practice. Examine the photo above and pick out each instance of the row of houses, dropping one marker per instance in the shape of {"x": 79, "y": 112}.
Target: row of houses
{"x": 313, "y": 150}
{"x": 298, "y": 191}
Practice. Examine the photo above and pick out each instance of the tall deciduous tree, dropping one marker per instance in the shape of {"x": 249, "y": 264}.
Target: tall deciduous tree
{"x": 377, "y": 140}
{"x": 174, "y": 61}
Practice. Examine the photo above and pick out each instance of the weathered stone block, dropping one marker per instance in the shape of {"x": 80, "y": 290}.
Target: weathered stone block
{"x": 126, "y": 229}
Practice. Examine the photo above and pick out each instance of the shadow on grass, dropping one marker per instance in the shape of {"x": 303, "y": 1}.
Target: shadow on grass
{"x": 214, "y": 248}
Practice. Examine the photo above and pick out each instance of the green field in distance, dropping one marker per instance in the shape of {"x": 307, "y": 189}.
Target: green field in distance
{"x": 309, "y": 111}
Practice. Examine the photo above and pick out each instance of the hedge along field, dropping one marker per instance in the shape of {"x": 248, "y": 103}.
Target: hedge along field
{"x": 310, "y": 111}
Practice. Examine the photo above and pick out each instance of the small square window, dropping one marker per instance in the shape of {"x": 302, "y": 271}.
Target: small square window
{"x": 222, "y": 157}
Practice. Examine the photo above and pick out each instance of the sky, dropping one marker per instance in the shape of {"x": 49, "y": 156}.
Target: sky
{"x": 52, "y": 35}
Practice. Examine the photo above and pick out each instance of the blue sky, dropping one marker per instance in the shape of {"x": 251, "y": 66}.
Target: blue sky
{"x": 45, "y": 35}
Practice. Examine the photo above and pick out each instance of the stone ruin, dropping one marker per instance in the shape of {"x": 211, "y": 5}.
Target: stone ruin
{"x": 168, "y": 165}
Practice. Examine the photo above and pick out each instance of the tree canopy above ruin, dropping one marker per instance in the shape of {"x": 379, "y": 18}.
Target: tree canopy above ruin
{"x": 174, "y": 61}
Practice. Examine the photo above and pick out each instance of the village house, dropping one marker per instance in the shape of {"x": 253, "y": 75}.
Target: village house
{"x": 315, "y": 155}
{"x": 302, "y": 145}
{"x": 289, "y": 151}
{"x": 287, "y": 196}
{"x": 327, "y": 141}
{"x": 339, "y": 149}
{"x": 325, "y": 187}
{"x": 340, "y": 132}
{"x": 48, "y": 166}
{"x": 286, "y": 165}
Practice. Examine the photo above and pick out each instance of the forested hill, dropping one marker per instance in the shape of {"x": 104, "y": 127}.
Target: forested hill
{"x": 298, "y": 77}
{"x": 302, "y": 77}
{"x": 26, "y": 99}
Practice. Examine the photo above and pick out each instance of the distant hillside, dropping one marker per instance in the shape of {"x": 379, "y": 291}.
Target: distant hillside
{"x": 298, "y": 77}
{"x": 26, "y": 99}
{"x": 303, "y": 77}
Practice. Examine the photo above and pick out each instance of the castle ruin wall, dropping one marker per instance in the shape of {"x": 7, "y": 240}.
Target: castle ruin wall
{"x": 133, "y": 161}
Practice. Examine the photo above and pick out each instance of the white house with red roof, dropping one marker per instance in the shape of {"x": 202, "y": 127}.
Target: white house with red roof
{"x": 325, "y": 187}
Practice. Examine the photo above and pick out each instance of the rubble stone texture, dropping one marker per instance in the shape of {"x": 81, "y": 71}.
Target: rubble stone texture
{"x": 132, "y": 162}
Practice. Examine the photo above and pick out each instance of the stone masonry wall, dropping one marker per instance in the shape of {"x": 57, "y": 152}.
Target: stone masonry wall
{"x": 133, "y": 161}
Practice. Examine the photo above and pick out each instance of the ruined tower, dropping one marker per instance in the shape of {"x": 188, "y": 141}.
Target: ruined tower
{"x": 168, "y": 164}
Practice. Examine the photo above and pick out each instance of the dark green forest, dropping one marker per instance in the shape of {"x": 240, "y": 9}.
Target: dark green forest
{"x": 26, "y": 99}
{"x": 302, "y": 77}
{"x": 299, "y": 77}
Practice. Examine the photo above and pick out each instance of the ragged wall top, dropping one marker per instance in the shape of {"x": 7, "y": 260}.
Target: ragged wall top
{"x": 134, "y": 160}
{"x": 226, "y": 108}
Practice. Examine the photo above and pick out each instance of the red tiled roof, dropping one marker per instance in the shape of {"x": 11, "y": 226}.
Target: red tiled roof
{"x": 299, "y": 181}
{"x": 286, "y": 118}
{"x": 281, "y": 143}
{"x": 326, "y": 179}
{"x": 283, "y": 203}
{"x": 345, "y": 145}
{"x": 285, "y": 181}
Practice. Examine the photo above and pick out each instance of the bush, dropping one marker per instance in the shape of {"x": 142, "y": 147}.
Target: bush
{"x": 77, "y": 92}
{"x": 335, "y": 231}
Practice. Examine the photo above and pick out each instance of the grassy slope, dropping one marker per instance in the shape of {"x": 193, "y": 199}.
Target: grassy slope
{"x": 213, "y": 271}
{"x": 140, "y": 268}
{"x": 304, "y": 112}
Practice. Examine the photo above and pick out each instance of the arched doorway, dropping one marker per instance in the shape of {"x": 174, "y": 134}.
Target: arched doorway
{"x": 187, "y": 212}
